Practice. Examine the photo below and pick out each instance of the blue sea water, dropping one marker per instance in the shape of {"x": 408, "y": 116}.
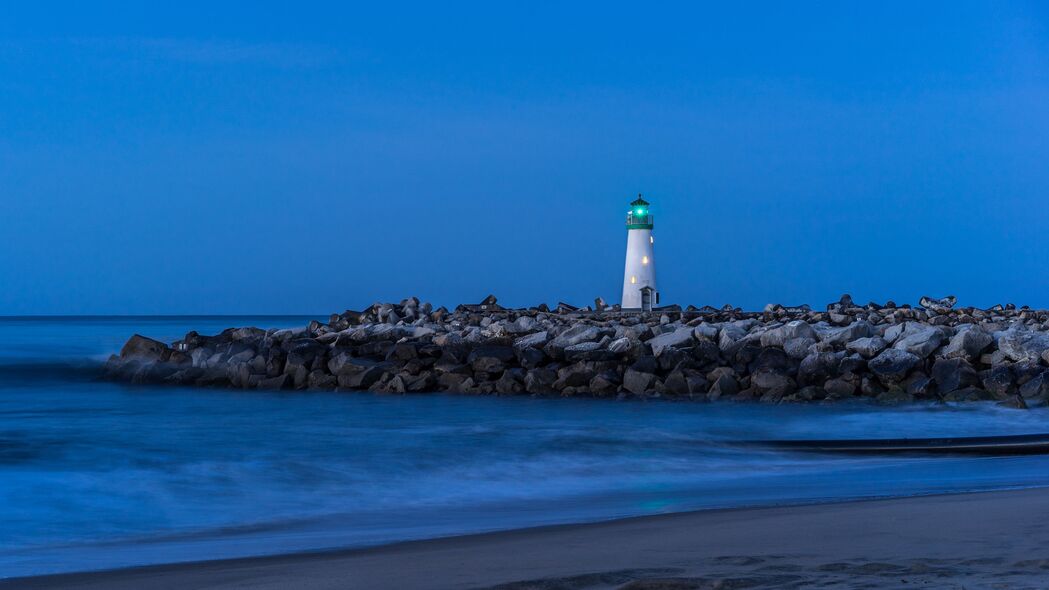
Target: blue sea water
{"x": 98, "y": 475}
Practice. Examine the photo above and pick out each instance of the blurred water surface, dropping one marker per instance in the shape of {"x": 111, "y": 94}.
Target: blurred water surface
{"x": 100, "y": 475}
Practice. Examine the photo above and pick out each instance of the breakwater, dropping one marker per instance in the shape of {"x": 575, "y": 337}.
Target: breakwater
{"x": 888, "y": 352}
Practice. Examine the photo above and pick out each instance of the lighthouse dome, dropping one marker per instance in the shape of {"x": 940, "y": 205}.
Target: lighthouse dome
{"x": 639, "y": 216}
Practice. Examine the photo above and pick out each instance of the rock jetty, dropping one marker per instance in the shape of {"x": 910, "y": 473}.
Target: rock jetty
{"x": 886, "y": 352}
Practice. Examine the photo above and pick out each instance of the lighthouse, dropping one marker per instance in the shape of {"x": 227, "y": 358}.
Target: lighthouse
{"x": 639, "y": 277}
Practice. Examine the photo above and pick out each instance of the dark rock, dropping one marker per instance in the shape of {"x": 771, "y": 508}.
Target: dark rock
{"x": 893, "y": 364}
{"x": 868, "y": 347}
{"x": 968, "y": 342}
{"x": 999, "y": 380}
{"x": 723, "y": 385}
{"x": 273, "y": 383}
{"x": 919, "y": 384}
{"x": 798, "y": 348}
{"x": 491, "y": 359}
{"x": 602, "y": 385}
{"x": 646, "y": 364}
{"x": 894, "y": 397}
{"x": 507, "y": 384}
{"x": 1036, "y": 388}
{"x": 321, "y": 381}
{"x": 540, "y": 381}
{"x": 839, "y": 388}
{"x": 968, "y": 394}
{"x": 953, "y": 374}
{"x": 637, "y": 382}
{"x": 770, "y": 382}
{"x": 531, "y": 358}
{"x": 145, "y": 349}
{"x": 574, "y": 375}
{"x": 452, "y": 382}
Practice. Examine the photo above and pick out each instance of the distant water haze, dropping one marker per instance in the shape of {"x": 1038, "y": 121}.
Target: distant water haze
{"x": 99, "y": 475}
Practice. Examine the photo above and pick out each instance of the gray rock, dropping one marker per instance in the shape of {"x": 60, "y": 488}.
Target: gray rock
{"x": 953, "y": 374}
{"x": 574, "y": 375}
{"x": 530, "y": 358}
{"x": 507, "y": 384}
{"x": 540, "y": 381}
{"x": 840, "y": 336}
{"x": 921, "y": 342}
{"x": 620, "y": 345}
{"x": 798, "y": 348}
{"x": 677, "y": 338}
{"x": 1023, "y": 345}
{"x": 1036, "y": 388}
{"x": 893, "y": 364}
{"x": 919, "y": 384}
{"x": 145, "y": 349}
{"x": 868, "y": 347}
{"x": 706, "y": 331}
{"x": 791, "y": 330}
{"x": 999, "y": 380}
{"x": 575, "y": 335}
{"x": 817, "y": 366}
{"x": 536, "y": 340}
{"x": 839, "y": 388}
{"x": 637, "y": 382}
{"x": 968, "y": 342}
{"x": 724, "y": 385}
{"x": 938, "y": 305}
{"x": 587, "y": 351}
{"x": 770, "y": 382}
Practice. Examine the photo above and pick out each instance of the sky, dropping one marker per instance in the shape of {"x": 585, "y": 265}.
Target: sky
{"x": 278, "y": 158}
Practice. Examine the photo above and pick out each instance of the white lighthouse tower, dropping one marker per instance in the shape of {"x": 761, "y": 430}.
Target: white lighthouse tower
{"x": 639, "y": 278}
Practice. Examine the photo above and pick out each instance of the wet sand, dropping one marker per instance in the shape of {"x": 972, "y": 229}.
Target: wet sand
{"x": 987, "y": 540}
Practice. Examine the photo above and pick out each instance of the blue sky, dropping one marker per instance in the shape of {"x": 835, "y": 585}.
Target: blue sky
{"x": 287, "y": 158}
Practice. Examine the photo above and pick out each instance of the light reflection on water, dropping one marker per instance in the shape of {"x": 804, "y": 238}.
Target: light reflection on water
{"x": 98, "y": 475}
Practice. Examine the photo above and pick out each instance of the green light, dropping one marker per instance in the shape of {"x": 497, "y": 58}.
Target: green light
{"x": 640, "y": 212}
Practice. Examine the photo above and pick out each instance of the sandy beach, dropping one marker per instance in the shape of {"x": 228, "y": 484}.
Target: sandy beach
{"x": 986, "y": 540}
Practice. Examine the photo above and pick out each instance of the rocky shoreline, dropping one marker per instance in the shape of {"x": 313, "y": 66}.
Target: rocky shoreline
{"x": 888, "y": 353}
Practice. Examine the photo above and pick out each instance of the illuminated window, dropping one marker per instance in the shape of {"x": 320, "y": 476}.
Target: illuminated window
{"x": 651, "y": 239}
{"x": 633, "y": 280}
{"x": 644, "y": 260}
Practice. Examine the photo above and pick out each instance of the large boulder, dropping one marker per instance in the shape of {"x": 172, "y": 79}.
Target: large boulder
{"x": 637, "y": 382}
{"x": 968, "y": 342}
{"x": 999, "y": 380}
{"x": 798, "y": 348}
{"x": 893, "y": 364}
{"x": 140, "y": 348}
{"x": 840, "y": 336}
{"x": 773, "y": 383}
{"x": 675, "y": 339}
{"x": 789, "y": 331}
{"x": 536, "y": 340}
{"x": 868, "y": 347}
{"x": 953, "y": 374}
{"x": 1037, "y": 388}
{"x": 920, "y": 342}
{"x": 575, "y": 335}
{"x": 540, "y": 380}
{"x": 1023, "y": 345}
{"x": 589, "y": 351}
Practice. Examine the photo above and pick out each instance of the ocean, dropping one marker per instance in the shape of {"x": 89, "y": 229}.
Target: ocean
{"x": 99, "y": 475}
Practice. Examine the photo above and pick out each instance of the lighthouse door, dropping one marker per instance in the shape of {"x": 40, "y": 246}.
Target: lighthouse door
{"x": 646, "y": 299}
